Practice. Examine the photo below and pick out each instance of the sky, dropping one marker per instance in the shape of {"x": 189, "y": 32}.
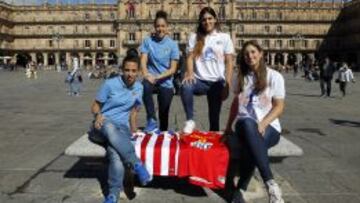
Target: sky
{"x": 37, "y": 2}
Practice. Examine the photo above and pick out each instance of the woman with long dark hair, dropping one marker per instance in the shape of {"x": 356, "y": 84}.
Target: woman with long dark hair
{"x": 159, "y": 59}
{"x": 209, "y": 69}
{"x": 257, "y": 105}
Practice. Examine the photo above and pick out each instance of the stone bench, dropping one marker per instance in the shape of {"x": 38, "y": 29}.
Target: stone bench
{"x": 83, "y": 147}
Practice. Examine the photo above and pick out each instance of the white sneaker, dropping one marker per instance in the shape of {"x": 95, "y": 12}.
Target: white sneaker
{"x": 189, "y": 127}
{"x": 274, "y": 192}
{"x": 238, "y": 197}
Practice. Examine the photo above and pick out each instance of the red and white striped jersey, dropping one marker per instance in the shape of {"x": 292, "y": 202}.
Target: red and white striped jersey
{"x": 159, "y": 153}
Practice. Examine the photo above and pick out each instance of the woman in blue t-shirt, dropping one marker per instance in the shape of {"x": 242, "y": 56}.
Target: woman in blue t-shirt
{"x": 114, "y": 109}
{"x": 159, "y": 59}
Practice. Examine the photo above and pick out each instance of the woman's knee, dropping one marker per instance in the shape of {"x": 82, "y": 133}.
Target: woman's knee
{"x": 187, "y": 88}
{"x": 246, "y": 124}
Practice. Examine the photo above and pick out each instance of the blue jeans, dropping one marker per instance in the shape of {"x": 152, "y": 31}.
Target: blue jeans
{"x": 213, "y": 90}
{"x": 255, "y": 150}
{"x": 120, "y": 152}
{"x": 164, "y": 97}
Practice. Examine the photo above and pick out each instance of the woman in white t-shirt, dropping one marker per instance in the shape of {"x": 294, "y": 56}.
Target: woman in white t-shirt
{"x": 210, "y": 55}
{"x": 257, "y": 105}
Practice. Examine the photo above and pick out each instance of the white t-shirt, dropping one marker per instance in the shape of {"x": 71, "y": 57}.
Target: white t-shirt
{"x": 210, "y": 65}
{"x": 258, "y": 106}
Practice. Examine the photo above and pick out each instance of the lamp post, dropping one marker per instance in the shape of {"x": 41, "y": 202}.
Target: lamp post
{"x": 57, "y": 37}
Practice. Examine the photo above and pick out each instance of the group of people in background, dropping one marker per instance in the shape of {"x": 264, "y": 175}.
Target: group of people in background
{"x": 258, "y": 100}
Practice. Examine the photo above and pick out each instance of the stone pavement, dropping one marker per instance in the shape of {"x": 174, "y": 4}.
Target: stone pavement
{"x": 39, "y": 121}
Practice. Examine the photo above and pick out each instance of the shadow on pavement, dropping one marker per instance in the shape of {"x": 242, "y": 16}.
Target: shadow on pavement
{"x": 97, "y": 168}
{"x": 304, "y": 95}
{"x": 312, "y": 130}
{"x": 346, "y": 123}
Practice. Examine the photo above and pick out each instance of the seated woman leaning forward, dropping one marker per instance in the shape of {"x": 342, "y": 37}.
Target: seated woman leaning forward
{"x": 257, "y": 105}
{"x": 115, "y": 108}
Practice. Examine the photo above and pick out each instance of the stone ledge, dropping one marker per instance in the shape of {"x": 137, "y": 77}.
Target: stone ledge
{"x": 83, "y": 147}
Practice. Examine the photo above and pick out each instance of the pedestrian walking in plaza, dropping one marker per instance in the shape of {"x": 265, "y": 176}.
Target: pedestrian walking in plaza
{"x": 327, "y": 70}
{"x": 209, "y": 69}
{"x": 159, "y": 59}
{"x": 258, "y": 102}
{"x": 345, "y": 75}
{"x": 115, "y": 110}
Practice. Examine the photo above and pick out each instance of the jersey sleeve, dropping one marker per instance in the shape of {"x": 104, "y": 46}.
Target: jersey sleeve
{"x": 175, "y": 53}
{"x": 144, "y": 47}
{"x": 103, "y": 93}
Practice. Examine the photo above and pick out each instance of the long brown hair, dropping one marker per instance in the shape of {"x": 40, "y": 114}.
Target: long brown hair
{"x": 200, "y": 31}
{"x": 244, "y": 69}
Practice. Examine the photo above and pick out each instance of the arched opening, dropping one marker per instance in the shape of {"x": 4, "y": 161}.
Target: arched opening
{"x": 113, "y": 58}
{"x": 51, "y": 59}
{"x": 279, "y": 59}
{"x": 100, "y": 59}
{"x": 39, "y": 58}
{"x": 87, "y": 59}
{"x": 23, "y": 59}
{"x": 291, "y": 59}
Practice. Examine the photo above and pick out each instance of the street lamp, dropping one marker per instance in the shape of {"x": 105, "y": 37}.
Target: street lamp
{"x": 58, "y": 37}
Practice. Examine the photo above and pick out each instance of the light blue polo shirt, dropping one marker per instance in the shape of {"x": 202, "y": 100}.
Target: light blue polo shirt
{"x": 118, "y": 99}
{"x": 160, "y": 54}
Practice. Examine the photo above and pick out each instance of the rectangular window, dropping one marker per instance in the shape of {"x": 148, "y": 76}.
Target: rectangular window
{"x": 267, "y": 28}
{"x": 279, "y": 29}
{"x": 292, "y": 43}
{"x": 87, "y": 43}
{"x": 76, "y": 43}
{"x": 100, "y": 43}
{"x": 132, "y": 36}
{"x": 240, "y": 28}
{"x": 278, "y": 43}
{"x": 305, "y": 43}
{"x": 112, "y": 43}
{"x": 177, "y": 36}
{"x": 266, "y": 43}
{"x": 50, "y": 43}
{"x": 240, "y": 43}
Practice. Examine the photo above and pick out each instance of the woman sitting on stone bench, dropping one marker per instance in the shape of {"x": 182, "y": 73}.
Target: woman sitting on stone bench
{"x": 257, "y": 105}
{"x": 117, "y": 103}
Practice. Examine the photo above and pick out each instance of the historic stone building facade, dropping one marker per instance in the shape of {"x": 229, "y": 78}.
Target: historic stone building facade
{"x": 52, "y": 34}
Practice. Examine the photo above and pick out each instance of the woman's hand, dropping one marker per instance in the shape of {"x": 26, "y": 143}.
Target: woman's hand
{"x": 99, "y": 120}
{"x": 188, "y": 79}
{"x": 150, "y": 78}
{"x": 227, "y": 132}
{"x": 262, "y": 127}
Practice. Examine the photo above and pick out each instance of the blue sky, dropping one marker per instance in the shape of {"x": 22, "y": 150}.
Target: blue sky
{"x": 30, "y": 2}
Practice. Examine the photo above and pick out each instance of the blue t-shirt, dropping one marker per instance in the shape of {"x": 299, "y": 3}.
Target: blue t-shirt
{"x": 160, "y": 54}
{"x": 118, "y": 100}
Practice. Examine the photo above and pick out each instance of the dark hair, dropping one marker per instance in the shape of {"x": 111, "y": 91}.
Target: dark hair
{"x": 128, "y": 58}
{"x": 161, "y": 15}
{"x": 201, "y": 33}
{"x": 244, "y": 69}
{"x": 132, "y": 52}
